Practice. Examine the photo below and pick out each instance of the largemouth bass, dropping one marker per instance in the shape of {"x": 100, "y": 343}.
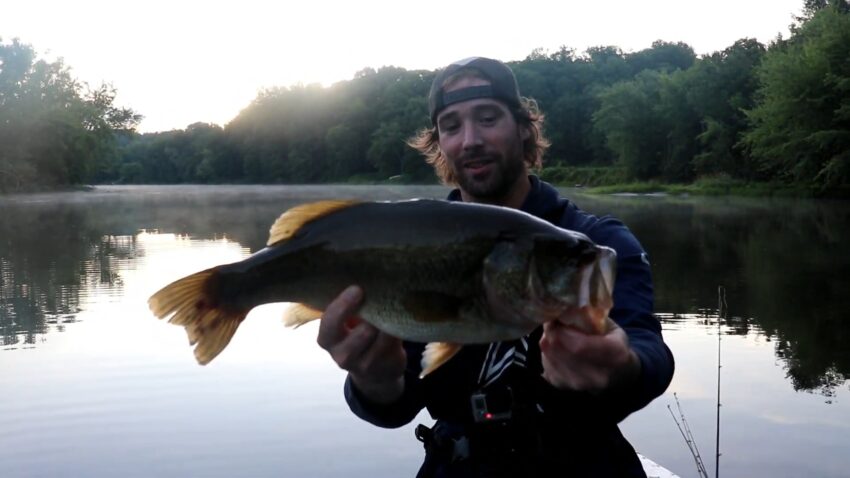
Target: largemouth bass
{"x": 432, "y": 271}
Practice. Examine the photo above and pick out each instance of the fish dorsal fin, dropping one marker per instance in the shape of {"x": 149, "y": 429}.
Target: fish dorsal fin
{"x": 436, "y": 354}
{"x": 299, "y": 314}
{"x": 293, "y": 219}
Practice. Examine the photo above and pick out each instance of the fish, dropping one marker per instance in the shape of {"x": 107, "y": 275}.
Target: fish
{"x": 433, "y": 271}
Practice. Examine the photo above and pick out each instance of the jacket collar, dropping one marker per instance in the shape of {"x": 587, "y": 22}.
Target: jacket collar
{"x": 541, "y": 201}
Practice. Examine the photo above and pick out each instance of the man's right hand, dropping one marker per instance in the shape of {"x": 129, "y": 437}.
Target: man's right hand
{"x": 374, "y": 360}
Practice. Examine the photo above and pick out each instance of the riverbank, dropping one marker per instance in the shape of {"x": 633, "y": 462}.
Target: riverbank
{"x": 593, "y": 180}
{"x": 711, "y": 188}
{"x": 612, "y": 180}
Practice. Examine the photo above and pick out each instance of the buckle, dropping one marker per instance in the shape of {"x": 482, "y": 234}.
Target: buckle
{"x": 492, "y": 406}
{"x": 447, "y": 447}
{"x": 424, "y": 434}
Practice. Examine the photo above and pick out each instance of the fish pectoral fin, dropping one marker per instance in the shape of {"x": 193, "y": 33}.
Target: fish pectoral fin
{"x": 294, "y": 219}
{"x": 299, "y": 314}
{"x": 436, "y": 354}
{"x": 432, "y": 306}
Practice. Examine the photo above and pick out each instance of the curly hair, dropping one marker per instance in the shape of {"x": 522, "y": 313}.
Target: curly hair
{"x": 527, "y": 115}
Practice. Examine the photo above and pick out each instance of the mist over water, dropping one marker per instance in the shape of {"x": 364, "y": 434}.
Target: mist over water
{"x": 91, "y": 384}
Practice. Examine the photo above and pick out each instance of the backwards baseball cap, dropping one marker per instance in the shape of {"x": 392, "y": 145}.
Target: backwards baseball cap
{"x": 503, "y": 85}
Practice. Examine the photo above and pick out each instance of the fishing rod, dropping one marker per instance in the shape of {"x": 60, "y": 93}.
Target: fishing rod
{"x": 685, "y": 430}
{"x": 721, "y": 315}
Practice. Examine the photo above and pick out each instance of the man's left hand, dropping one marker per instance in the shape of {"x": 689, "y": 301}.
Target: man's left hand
{"x": 576, "y": 360}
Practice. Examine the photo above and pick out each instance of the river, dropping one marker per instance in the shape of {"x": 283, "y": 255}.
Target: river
{"x": 91, "y": 384}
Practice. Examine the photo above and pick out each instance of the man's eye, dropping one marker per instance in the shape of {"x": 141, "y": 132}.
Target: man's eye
{"x": 488, "y": 116}
{"x": 449, "y": 127}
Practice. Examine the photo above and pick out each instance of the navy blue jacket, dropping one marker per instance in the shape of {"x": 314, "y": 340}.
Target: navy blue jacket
{"x": 578, "y": 430}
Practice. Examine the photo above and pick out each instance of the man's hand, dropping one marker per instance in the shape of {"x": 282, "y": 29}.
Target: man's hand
{"x": 576, "y": 360}
{"x": 374, "y": 360}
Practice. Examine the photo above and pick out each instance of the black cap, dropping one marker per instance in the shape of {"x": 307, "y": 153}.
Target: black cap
{"x": 503, "y": 85}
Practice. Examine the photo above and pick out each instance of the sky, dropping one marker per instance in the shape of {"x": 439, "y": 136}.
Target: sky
{"x": 178, "y": 62}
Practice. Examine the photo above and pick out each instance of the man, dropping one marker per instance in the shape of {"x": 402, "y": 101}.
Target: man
{"x": 544, "y": 405}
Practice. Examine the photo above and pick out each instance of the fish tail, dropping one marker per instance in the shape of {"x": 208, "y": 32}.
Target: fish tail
{"x": 191, "y": 302}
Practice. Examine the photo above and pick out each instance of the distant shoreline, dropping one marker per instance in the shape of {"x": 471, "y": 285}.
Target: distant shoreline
{"x": 706, "y": 187}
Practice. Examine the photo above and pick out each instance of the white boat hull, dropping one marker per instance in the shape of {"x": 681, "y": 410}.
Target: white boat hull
{"x": 654, "y": 470}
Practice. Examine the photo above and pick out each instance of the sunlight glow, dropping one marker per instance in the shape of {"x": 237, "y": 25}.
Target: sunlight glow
{"x": 182, "y": 62}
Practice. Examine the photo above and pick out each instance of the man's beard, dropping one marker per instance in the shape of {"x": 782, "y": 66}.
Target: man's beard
{"x": 497, "y": 185}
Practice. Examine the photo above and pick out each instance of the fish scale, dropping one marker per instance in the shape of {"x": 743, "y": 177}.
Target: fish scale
{"x": 432, "y": 271}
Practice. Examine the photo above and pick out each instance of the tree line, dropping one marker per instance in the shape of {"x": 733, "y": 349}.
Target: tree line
{"x": 751, "y": 113}
{"x": 54, "y": 130}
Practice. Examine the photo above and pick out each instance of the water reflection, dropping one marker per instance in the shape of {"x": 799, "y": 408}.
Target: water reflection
{"x": 57, "y": 248}
{"x": 48, "y": 267}
{"x": 781, "y": 263}
{"x": 84, "y": 263}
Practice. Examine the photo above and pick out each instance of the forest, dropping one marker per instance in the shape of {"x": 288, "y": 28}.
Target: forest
{"x": 749, "y": 114}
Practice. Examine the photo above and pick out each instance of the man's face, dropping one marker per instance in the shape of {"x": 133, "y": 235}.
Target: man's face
{"x": 482, "y": 143}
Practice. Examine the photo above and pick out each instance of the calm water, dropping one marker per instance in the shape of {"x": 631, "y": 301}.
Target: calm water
{"x": 92, "y": 385}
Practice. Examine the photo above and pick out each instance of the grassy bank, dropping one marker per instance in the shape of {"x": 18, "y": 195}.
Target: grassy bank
{"x": 610, "y": 180}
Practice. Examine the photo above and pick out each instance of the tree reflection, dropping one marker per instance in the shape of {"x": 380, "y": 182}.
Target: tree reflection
{"x": 781, "y": 262}
{"x": 51, "y": 257}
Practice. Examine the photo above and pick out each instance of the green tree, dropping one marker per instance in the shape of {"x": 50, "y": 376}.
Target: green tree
{"x": 681, "y": 124}
{"x": 663, "y": 56}
{"x": 810, "y": 7}
{"x": 630, "y": 118}
{"x": 720, "y": 87}
{"x": 344, "y": 151}
{"x": 54, "y": 130}
{"x": 387, "y": 149}
{"x": 650, "y": 126}
{"x": 801, "y": 126}
{"x": 560, "y": 82}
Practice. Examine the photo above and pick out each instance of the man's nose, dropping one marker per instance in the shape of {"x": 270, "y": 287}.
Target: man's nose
{"x": 471, "y": 137}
